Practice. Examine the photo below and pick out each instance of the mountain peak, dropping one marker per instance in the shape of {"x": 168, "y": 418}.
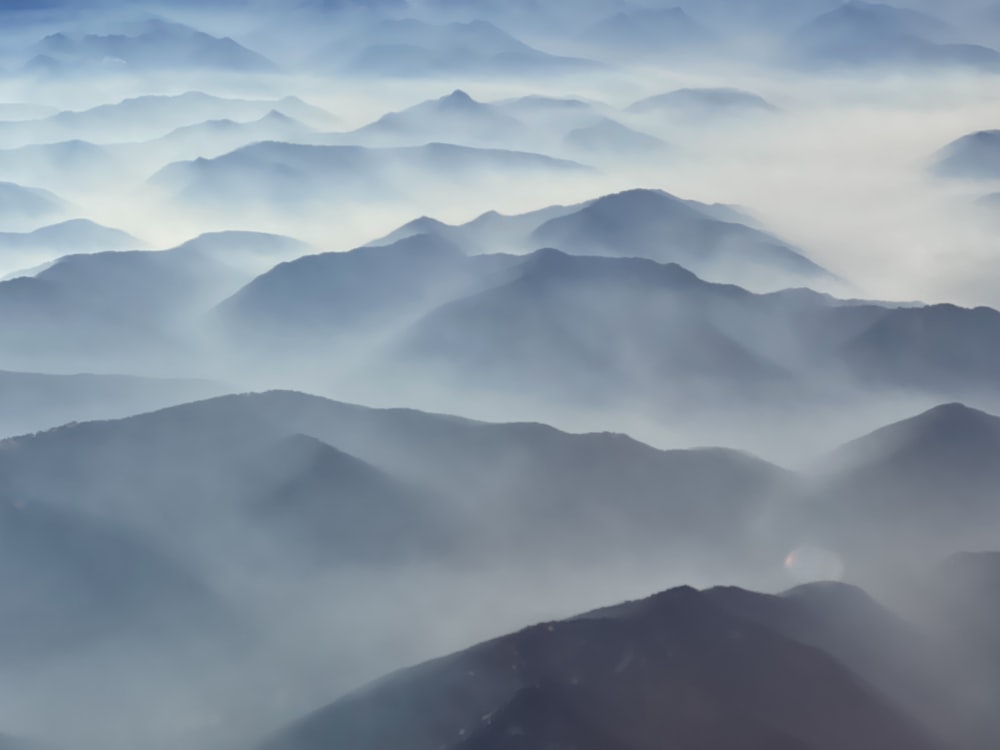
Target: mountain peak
{"x": 457, "y": 99}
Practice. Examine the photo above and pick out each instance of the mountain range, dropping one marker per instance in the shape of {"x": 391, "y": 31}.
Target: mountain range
{"x": 714, "y": 241}
{"x": 864, "y": 34}
{"x": 150, "y": 45}
{"x": 411, "y": 47}
{"x": 289, "y": 180}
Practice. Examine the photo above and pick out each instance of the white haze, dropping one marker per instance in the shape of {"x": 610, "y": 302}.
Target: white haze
{"x": 840, "y": 171}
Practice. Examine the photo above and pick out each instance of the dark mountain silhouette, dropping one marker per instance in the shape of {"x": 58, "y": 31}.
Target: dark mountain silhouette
{"x": 859, "y": 33}
{"x": 975, "y": 156}
{"x": 676, "y": 665}
{"x": 153, "y": 45}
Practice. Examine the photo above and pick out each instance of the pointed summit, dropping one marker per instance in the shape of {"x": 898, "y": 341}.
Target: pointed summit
{"x": 458, "y": 99}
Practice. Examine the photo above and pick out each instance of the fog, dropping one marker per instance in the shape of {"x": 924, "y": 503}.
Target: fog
{"x": 722, "y": 230}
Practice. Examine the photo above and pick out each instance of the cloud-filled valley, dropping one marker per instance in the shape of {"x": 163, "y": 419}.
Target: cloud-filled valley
{"x": 341, "y": 336}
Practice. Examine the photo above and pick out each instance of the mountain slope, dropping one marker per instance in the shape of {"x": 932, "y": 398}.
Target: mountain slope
{"x": 30, "y": 402}
{"x": 975, "y": 156}
{"x": 455, "y": 118}
{"x": 154, "y": 45}
{"x": 713, "y": 241}
{"x": 702, "y": 103}
{"x": 917, "y": 489}
{"x": 675, "y": 665}
{"x": 410, "y": 47}
{"x": 662, "y": 32}
{"x": 554, "y": 493}
{"x": 23, "y": 208}
{"x": 289, "y": 179}
{"x": 128, "y": 309}
{"x": 860, "y": 33}
{"x": 66, "y": 238}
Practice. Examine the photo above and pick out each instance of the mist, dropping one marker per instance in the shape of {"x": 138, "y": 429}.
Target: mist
{"x": 342, "y": 336}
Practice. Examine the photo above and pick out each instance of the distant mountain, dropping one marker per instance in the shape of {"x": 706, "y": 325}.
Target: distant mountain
{"x": 245, "y": 252}
{"x": 859, "y": 33}
{"x": 713, "y": 241}
{"x": 288, "y": 179}
{"x": 545, "y": 106}
{"x": 455, "y": 118}
{"x": 612, "y": 139}
{"x": 148, "y": 117}
{"x": 409, "y": 47}
{"x": 108, "y": 309}
{"x": 975, "y": 156}
{"x": 883, "y": 20}
{"x": 67, "y": 238}
{"x": 662, "y": 32}
{"x": 150, "y": 46}
{"x": 76, "y": 165}
{"x": 701, "y": 103}
{"x": 24, "y": 208}
{"x": 676, "y": 665}
{"x": 214, "y": 138}
{"x": 592, "y": 328}
{"x": 546, "y": 114}
{"x": 592, "y": 331}
{"x": 769, "y": 18}
{"x": 347, "y": 295}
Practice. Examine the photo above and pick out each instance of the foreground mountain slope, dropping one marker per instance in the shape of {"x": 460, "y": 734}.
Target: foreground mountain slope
{"x": 676, "y": 665}
{"x": 551, "y": 491}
